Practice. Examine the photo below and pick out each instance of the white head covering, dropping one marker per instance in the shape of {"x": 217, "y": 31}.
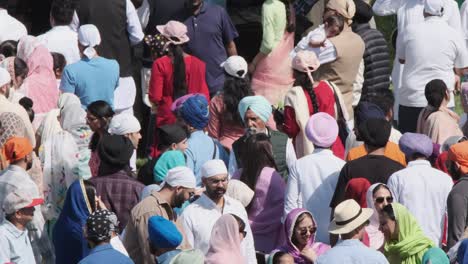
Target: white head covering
{"x": 26, "y": 46}
{"x": 5, "y": 77}
{"x": 180, "y": 176}
{"x": 72, "y": 115}
{"x": 235, "y": 66}
{"x": 123, "y": 124}
{"x": 212, "y": 168}
{"x": 376, "y": 237}
{"x": 88, "y": 36}
{"x": 240, "y": 191}
{"x": 434, "y": 7}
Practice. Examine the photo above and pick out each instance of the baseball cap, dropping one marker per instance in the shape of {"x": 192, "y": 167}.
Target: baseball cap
{"x": 19, "y": 199}
{"x": 236, "y": 66}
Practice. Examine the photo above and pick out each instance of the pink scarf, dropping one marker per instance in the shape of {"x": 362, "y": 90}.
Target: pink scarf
{"x": 225, "y": 242}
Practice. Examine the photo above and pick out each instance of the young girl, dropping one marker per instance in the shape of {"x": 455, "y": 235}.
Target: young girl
{"x": 59, "y": 63}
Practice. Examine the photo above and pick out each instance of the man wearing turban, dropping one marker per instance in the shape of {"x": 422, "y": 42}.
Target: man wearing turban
{"x": 255, "y": 112}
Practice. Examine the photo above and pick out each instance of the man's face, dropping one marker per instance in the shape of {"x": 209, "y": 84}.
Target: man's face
{"x": 25, "y": 215}
{"x": 453, "y": 169}
{"x": 182, "y": 195}
{"x": 134, "y": 138}
{"x": 216, "y": 186}
{"x": 253, "y": 122}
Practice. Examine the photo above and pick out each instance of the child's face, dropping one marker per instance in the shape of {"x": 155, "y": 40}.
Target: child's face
{"x": 332, "y": 30}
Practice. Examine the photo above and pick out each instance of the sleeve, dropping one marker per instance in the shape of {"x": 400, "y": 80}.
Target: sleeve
{"x": 232, "y": 163}
{"x": 464, "y": 19}
{"x": 155, "y": 91}
{"x": 187, "y": 225}
{"x": 401, "y": 43}
{"x": 143, "y": 13}
{"x": 67, "y": 83}
{"x": 386, "y": 7}
{"x": 461, "y": 61}
{"x": 135, "y": 32}
{"x": 142, "y": 234}
{"x": 290, "y": 126}
{"x": 291, "y": 157}
{"x": 75, "y": 24}
{"x": 358, "y": 83}
{"x": 229, "y": 30}
{"x": 214, "y": 123}
{"x": 268, "y": 38}
{"x": 4, "y": 250}
{"x": 452, "y": 13}
{"x": 190, "y": 159}
{"x": 292, "y": 200}
{"x": 456, "y": 217}
{"x": 392, "y": 184}
{"x": 339, "y": 194}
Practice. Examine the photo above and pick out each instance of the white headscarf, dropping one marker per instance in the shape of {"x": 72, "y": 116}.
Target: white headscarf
{"x": 123, "y": 124}
{"x": 88, "y": 36}
{"x": 5, "y": 77}
{"x": 72, "y": 115}
{"x": 376, "y": 238}
{"x": 26, "y": 47}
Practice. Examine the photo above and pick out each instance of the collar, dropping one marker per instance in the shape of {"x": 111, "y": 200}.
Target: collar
{"x": 166, "y": 257}
{"x": 203, "y": 8}
{"x": 433, "y": 18}
{"x": 349, "y": 243}
{"x": 158, "y": 198}
{"x": 209, "y": 204}
{"x": 99, "y": 248}
{"x": 13, "y": 167}
{"x": 62, "y": 28}
{"x": 13, "y": 229}
{"x": 322, "y": 151}
{"x": 414, "y": 163}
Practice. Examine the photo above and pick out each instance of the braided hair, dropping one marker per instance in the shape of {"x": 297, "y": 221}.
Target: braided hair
{"x": 302, "y": 80}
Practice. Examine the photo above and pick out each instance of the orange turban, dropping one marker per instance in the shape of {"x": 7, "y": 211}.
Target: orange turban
{"x": 17, "y": 148}
{"x": 459, "y": 154}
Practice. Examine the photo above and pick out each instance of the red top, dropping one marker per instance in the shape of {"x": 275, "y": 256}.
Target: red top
{"x": 161, "y": 89}
{"x": 326, "y": 102}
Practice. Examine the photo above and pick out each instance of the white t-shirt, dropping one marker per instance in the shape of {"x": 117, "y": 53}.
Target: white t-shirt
{"x": 431, "y": 50}
{"x": 64, "y": 40}
{"x": 10, "y": 28}
{"x": 325, "y": 54}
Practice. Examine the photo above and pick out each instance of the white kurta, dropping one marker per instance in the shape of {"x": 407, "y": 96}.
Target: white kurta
{"x": 63, "y": 40}
{"x": 311, "y": 185}
{"x": 424, "y": 191}
{"x": 10, "y": 27}
{"x": 200, "y": 217}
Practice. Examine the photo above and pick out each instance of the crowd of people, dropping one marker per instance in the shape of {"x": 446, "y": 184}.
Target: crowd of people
{"x": 317, "y": 150}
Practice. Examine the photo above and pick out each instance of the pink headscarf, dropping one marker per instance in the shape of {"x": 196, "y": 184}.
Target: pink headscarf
{"x": 40, "y": 85}
{"x": 225, "y": 242}
{"x": 306, "y": 61}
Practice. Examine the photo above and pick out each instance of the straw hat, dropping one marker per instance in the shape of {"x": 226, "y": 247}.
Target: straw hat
{"x": 348, "y": 216}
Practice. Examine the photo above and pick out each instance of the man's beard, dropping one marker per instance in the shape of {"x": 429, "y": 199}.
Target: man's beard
{"x": 216, "y": 193}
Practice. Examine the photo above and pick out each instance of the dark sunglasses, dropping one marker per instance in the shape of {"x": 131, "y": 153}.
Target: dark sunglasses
{"x": 382, "y": 199}
{"x": 304, "y": 231}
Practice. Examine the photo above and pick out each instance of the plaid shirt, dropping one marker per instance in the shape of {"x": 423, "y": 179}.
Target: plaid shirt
{"x": 120, "y": 193}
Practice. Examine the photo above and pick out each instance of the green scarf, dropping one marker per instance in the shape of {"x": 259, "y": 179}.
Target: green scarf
{"x": 411, "y": 244}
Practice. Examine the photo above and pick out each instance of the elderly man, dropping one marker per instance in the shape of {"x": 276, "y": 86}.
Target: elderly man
{"x": 312, "y": 180}
{"x": 127, "y": 125}
{"x": 448, "y": 54}
{"x": 200, "y": 216}
{"x": 8, "y": 107}
{"x": 255, "y": 112}
{"x": 177, "y": 188}
{"x": 349, "y": 221}
{"x": 457, "y": 202}
{"x": 419, "y": 183}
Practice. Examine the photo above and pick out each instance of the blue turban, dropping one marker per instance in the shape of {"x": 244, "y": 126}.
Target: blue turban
{"x": 169, "y": 160}
{"x": 411, "y": 143}
{"x": 366, "y": 110}
{"x": 258, "y": 104}
{"x": 195, "y": 111}
{"x": 163, "y": 233}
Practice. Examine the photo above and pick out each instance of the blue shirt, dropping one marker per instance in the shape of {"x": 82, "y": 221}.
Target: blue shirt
{"x": 15, "y": 246}
{"x": 202, "y": 148}
{"x": 168, "y": 256}
{"x": 91, "y": 80}
{"x": 209, "y": 31}
{"x": 351, "y": 251}
{"x": 105, "y": 254}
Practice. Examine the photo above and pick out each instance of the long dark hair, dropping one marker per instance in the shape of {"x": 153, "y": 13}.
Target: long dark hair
{"x": 21, "y": 68}
{"x": 258, "y": 155}
{"x": 90, "y": 190}
{"x": 302, "y": 80}
{"x": 290, "y": 21}
{"x": 99, "y": 109}
{"x": 179, "y": 81}
{"x": 233, "y": 91}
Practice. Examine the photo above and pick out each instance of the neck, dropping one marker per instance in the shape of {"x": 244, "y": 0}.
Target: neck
{"x": 167, "y": 195}
{"x": 18, "y": 225}
{"x": 22, "y": 164}
{"x": 218, "y": 201}
{"x": 197, "y": 11}
{"x": 375, "y": 151}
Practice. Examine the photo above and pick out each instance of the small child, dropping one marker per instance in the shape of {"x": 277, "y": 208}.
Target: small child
{"x": 318, "y": 41}
{"x": 59, "y": 63}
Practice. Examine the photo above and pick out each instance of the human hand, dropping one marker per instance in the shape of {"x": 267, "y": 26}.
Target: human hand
{"x": 99, "y": 204}
{"x": 309, "y": 254}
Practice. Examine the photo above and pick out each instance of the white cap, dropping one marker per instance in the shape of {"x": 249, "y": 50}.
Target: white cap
{"x": 88, "y": 36}
{"x": 434, "y": 7}
{"x": 180, "y": 176}
{"x": 236, "y": 66}
{"x": 19, "y": 199}
{"x": 5, "y": 77}
{"x": 213, "y": 168}
{"x": 123, "y": 124}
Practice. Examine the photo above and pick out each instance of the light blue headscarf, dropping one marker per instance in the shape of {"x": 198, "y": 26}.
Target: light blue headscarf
{"x": 258, "y": 104}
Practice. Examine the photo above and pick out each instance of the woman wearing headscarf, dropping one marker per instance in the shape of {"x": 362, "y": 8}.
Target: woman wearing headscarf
{"x": 226, "y": 237}
{"x": 266, "y": 208}
{"x": 405, "y": 242}
{"x": 174, "y": 75}
{"x": 349, "y": 49}
{"x": 225, "y": 122}
{"x": 271, "y": 68}
{"x": 300, "y": 228}
{"x": 40, "y": 84}
{"x": 378, "y": 196}
{"x": 18, "y": 70}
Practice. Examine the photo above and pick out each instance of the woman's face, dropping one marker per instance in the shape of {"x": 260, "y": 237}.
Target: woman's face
{"x": 382, "y": 198}
{"x": 388, "y": 227}
{"x": 95, "y": 123}
{"x": 303, "y": 231}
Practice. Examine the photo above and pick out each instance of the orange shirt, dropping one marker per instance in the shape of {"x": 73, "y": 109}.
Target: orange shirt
{"x": 392, "y": 151}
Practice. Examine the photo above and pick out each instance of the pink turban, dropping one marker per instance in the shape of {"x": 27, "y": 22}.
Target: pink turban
{"x": 322, "y": 129}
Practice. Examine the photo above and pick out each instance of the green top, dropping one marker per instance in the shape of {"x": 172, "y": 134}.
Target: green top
{"x": 274, "y": 24}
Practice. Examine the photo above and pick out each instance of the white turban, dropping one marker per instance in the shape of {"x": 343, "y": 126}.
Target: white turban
{"x": 88, "y": 36}
{"x": 434, "y": 7}
{"x": 180, "y": 176}
{"x": 123, "y": 124}
{"x": 212, "y": 168}
{"x": 5, "y": 77}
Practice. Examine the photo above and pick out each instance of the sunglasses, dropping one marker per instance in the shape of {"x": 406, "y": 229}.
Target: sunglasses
{"x": 303, "y": 231}
{"x": 382, "y": 199}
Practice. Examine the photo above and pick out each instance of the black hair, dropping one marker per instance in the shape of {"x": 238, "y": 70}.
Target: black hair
{"x": 21, "y": 68}
{"x": 100, "y": 109}
{"x": 291, "y": 23}
{"x": 59, "y": 61}
{"x": 277, "y": 257}
{"x": 4, "y": 4}
{"x": 179, "y": 81}
{"x": 90, "y": 190}
{"x": 335, "y": 20}
{"x": 302, "y": 80}
{"x": 435, "y": 92}
{"x": 27, "y": 104}
{"x": 233, "y": 91}
{"x": 388, "y": 210}
{"x": 62, "y": 12}
{"x": 384, "y": 99}
{"x": 378, "y": 187}
{"x": 240, "y": 222}
{"x": 9, "y": 48}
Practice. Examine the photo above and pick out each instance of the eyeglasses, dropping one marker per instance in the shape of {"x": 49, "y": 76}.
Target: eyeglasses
{"x": 303, "y": 231}
{"x": 382, "y": 199}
